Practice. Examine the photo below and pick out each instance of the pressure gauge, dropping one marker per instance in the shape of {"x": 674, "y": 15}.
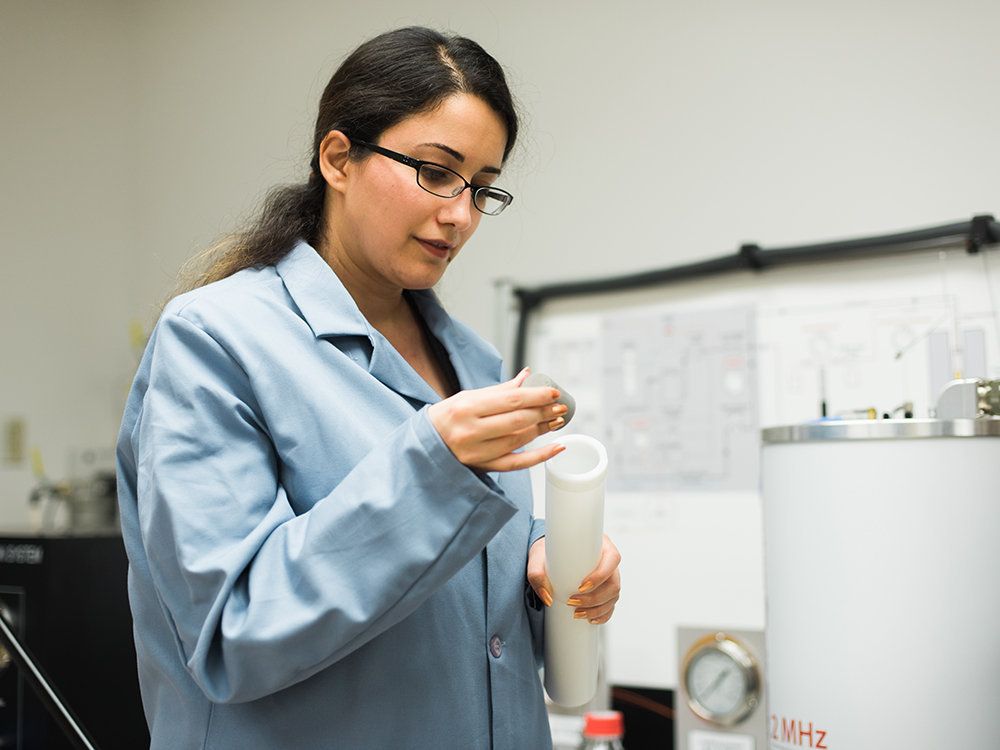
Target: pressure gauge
{"x": 721, "y": 680}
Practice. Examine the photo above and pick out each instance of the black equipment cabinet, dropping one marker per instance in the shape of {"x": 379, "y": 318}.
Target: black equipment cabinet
{"x": 65, "y": 599}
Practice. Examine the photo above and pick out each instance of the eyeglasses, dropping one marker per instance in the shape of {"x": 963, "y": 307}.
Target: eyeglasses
{"x": 446, "y": 183}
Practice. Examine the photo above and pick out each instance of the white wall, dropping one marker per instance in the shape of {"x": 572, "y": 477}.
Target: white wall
{"x": 67, "y": 229}
{"x": 656, "y": 133}
{"x": 690, "y": 127}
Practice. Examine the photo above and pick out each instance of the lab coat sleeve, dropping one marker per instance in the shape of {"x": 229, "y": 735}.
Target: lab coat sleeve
{"x": 537, "y": 530}
{"x": 535, "y": 606}
{"x": 260, "y": 598}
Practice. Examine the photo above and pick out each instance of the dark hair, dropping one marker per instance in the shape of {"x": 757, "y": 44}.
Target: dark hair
{"x": 393, "y": 76}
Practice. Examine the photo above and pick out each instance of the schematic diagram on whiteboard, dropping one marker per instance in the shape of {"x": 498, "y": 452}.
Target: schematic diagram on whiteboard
{"x": 885, "y": 354}
{"x": 680, "y": 398}
{"x": 890, "y": 356}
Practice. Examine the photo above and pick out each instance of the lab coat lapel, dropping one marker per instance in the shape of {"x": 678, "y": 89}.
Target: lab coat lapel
{"x": 389, "y": 367}
{"x": 477, "y": 365}
{"x": 320, "y": 295}
{"x": 330, "y": 311}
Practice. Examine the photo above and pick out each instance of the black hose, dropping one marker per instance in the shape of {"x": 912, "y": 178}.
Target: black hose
{"x": 976, "y": 233}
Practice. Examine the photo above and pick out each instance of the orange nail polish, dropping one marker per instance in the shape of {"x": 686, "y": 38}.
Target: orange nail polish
{"x": 586, "y": 587}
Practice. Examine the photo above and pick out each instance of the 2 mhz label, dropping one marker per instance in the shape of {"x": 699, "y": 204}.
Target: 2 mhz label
{"x": 795, "y": 733}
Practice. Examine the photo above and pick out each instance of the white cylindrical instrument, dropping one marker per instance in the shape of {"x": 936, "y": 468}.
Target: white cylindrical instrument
{"x": 882, "y": 558}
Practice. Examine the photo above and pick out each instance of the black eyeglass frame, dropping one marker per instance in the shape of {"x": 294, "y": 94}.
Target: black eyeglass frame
{"x": 417, "y": 164}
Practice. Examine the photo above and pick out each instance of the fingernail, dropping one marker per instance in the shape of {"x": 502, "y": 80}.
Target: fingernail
{"x": 574, "y": 602}
{"x": 555, "y": 394}
{"x": 595, "y": 621}
{"x": 579, "y": 615}
{"x": 547, "y": 598}
{"x": 586, "y": 587}
{"x": 559, "y": 409}
{"x": 555, "y": 424}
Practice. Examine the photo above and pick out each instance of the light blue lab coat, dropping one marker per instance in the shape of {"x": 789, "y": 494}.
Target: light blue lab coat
{"x": 310, "y": 566}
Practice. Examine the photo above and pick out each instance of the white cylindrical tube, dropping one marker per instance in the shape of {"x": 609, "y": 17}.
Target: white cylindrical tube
{"x": 574, "y": 535}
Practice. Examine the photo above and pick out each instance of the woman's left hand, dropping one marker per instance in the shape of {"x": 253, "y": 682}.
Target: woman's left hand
{"x": 596, "y": 597}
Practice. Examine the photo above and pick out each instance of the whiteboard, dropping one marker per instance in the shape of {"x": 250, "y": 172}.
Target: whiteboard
{"x": 678, "y": 382}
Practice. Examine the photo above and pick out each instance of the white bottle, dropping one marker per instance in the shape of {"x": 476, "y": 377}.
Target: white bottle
{"x": 603, "y": 730}
{"x": 574, "y": 536}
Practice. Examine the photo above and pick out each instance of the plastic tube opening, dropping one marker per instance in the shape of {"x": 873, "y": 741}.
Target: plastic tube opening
{"x": 582, "y": 466}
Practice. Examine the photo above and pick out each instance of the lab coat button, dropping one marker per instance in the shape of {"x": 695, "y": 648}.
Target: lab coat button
{"x": 496, "y": 647}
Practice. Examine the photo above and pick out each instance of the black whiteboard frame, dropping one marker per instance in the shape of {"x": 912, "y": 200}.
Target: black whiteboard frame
{"x": 973, "y": 234}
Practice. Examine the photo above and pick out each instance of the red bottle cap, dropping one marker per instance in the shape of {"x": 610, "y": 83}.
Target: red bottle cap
{"x": 603, "y": 724}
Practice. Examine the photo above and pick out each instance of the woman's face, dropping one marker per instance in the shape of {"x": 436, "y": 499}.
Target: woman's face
{"x": 386, "y": 227}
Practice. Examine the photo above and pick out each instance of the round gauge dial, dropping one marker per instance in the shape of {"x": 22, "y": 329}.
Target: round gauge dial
{"x": 721, "y": 679}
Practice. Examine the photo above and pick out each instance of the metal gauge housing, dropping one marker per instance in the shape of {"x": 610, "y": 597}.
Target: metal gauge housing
{"x": 721, "y": 680}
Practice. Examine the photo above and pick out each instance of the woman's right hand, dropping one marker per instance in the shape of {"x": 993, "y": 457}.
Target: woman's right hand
{"x": 483, "y": 427}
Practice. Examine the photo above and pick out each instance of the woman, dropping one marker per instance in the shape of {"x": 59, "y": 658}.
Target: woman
{"x": 330, "y": 540}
